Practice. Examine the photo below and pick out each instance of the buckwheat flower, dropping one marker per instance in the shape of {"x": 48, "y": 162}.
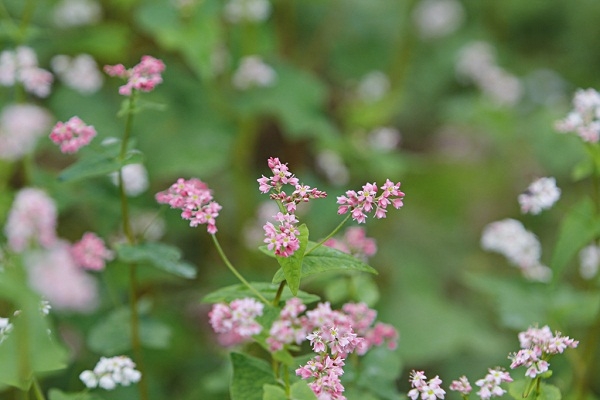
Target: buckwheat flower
{"x": 21, "y": 125}
{"x": 91, "y": 252}
{"x": 5, "y": 328}
{"x": 427, "y": 390}
{"x": 31, "y": 220}
{"x": 142, "y": 77}
{"x": 384, "y": 138}
{"x": 490, "y": 385}
{"x": 354, "y": 242}
{"x": 21, "y": 66}
{"x": 540, "y": 195}
{"x": 326, "y": 372}
{"x": 373, "y": 86}
{"x": 366, "y": 200}
{"x": 54, "y": 274}
{"x": 80, "y": 73}
{"x": 589, "y": 261}
{"x": 283, "y": 238}
{"x": 290, "y": 327}
{"x": 135, "y": 179}
{"x": 438, "y": 18}
{"x": 111, "y": 372}
{"x": 72, "y": 135}
{"x": 247, "y": 10}
{"x": 237, "y": 317}
{"x": 253, "y": 72}
{"x": 584, "y": 119}
{"x": 195, "y": 200}
{"x": 461, "y": 386}
{"x": 72, "y": 13}
{"x": 521, "y": 247}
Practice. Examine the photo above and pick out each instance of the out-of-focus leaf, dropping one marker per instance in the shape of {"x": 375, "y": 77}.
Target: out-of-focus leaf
{"x": 100, "y": 164}
{"x": 250, "y": 374}
{"x": 579, "y": 227}
{"x": 268, "y": 290}
{"x": 160, "y": 255}
{"x": 323, "y": 259}
{"x": 379, "y": 369}
{"x": 56, "y": 394}
{"x": 517, "y": 389}
{"x": 292, "y": 265}
{"x": 298, "y": 391}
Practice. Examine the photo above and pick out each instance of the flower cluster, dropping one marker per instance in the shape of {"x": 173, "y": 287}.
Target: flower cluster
{"x": 21, "y": 66}
{"x": 247, "y": 10}
{"x": 490, "y": 384}
{"x": 537, "y": 346}
{"x": 584, "y": 119}
{"x": 366, "y": 200}
{"x": 20, "y": 127}
{"x": 72, "y": 135}
{"x": 426, "y": 389}
{"x": 283, "y": 238}
{"x": 5, "y": 328}
{"x": 236, "y": 322}
{"x": 326, "y": 372}
{"x": 195, "y": 200}
{"x": 79, "y": 73}
{"x": 354, "y": 242}
{"x": 438, "y": 18}
{"x": 540, "y": 195}
{"x": 110, "y": 372}
{"x": 135, "y": 179}
{"x": 462, "y": 386}
{"x": 589, "y": 261}
{"x": 91, "y": 253}
{"x": 521, "y": 247}
{"x": 143, "y": 76}
{"x": 253, "y": 72}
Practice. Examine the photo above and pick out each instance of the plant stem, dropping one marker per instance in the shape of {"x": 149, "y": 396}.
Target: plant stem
{"x": 337, "y": 228}
{"x": 279, "y": 292}
{"x": 128, "y": 231}
{"x": 37, "y": 390}
{"x": 235, "y": 271}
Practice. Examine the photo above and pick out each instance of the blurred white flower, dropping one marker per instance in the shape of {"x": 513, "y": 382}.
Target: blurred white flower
{"x": 21, "y": 66}
{"x": 247, "y": 10}
{"x": 80, "y": 73}
{"x": 71, "y": 13}
{"x": 589, "y": 261}
{"x": 5, "y": 328}
{"x": 21, "y": 125}
{"x": 373, "y": 86}
{"x": 384, "y": 138}
{"x": 253, "y": 72}
{"x": 332, "y": 165}
{"x": 540, "y": 195}
{"x": 135, "y": 179}
{"x": 110, "y": 372}
{"x": 438, "y": 18}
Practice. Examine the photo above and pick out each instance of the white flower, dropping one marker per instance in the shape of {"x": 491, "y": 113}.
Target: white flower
{"x": 589, "y": 261}
{"x": 247, "y": 10}
{"x": 252, "y": 72}
{"x": 21, "y": 125}
{"x": 135, "y": 179}
{"x": 80, "y": 73}
{"x": 69, "y": 13}
{"x": 373, "y": 86}
{"x": 438, "y": 18}
{"x": 5, "y": 328}
{"x": 110, "y": 372}
{"x": 384, "y": 138}
{"x": 540, "y": 195}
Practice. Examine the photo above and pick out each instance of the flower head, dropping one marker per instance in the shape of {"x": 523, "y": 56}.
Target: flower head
{"x": 461, "y": 386}
{"x": 90, "y": 252}
{"x": 584, "y": 119}
{"x": 354, "y": 242}
{"x": 237, "y": 318}
{"x": 540, "y": 195}
{"x": 72, "y": 135}
{"x": 367, "y": 200}
{"x": 490, "y": 384}
{"x": 143, "y": 76}
{"x": 21, "y": 66}
{"x": 111, "y": 372}
{"x": 20, "y": 127}
{"x": 427, "y": 390}
{"x": 195, "y": 200}
{"x": 253, "y": 72}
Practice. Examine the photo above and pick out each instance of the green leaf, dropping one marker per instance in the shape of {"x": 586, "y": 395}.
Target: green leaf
{"x": 578, "y": 229}
{"x": 112, "y": 335}
{"x": 31, "y": 346}
{"x": 301, "y": 391}
{"x": 292, "y": 265}
{"x": 324, "y": 259}
{"x": 273, "y": 392}
{"x": 89, "y": 167}
{"x": 250, "y": 374}
{"x": 160, "y": 255}
{"x": 268, "y": 290}
{"x": 56, "y": 394}
{"x": 547, "y": 392}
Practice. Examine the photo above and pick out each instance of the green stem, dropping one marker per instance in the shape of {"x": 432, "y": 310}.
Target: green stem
{"x": 37, "y": 390}
{"x": 337, "y": 228}
{"x": 235, "y": 271}
{"x": 279, "y": 293}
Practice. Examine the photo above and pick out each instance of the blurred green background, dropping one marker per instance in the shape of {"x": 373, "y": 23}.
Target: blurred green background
{"x": 464, "y": 146}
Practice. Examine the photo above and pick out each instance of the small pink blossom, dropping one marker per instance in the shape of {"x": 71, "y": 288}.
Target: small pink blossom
{"x": 72, "y": 135}
{"x": 461, "y": 386}
{"x": 366, "y": 200}
{"x": 490, "y": 384}
{"x": 195, "y": 200}
{"x": 31, "y": 220}
{"x": 584, "y": 119}
{"x": 21, "y": 125}
{"x": 143, "y": 76}
{"x": 427, "y": 390}
{"x": 91, "y": 253}
{"x": 354, "y": 242}
{"x": 283, "y": 239}
{"x": 21, "y": 66}
{"x": 237, "y": 318}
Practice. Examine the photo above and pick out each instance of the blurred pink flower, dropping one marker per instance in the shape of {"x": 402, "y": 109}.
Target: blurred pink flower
{"x": 90, "y": 252}
{"x": 143, "y": 76}
{"x": 20, "y": 127}
{"x": 72, "y": 135}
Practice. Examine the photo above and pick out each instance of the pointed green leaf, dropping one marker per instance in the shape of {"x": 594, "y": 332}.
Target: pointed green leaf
{"x": 99, "y": 164}
{"x": 160, "y": 255}
{"x": 301, "y": 391}
{"x": 268, "y": 290}
{"x": 292, "y": 265}
{"x": 250, "y": 374}
{"x": 273, "y": 392}
{"x": 578, "y": 229}
{"x": 323, "y": 259}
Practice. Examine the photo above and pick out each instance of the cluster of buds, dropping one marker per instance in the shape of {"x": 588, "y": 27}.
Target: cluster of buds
{"x": 236, "y": 322}
{"x": 490, "y": 384}
{"x": 540, "y": 195}
{"x": 426, "y": 389}
{"x": 143, "y": 76}
{"x": 110, "y": 372}
{"x": 195, "y": 200}
{"x": 584, "y": 119}
{"x": 72, "y": 135}
{"x": 354, "y": 242}
{"x": 91, "y": 252}
{"x": 366, "y": 200}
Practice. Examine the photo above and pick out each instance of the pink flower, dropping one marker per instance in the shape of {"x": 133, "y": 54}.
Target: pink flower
{"x": 354, "y": 242}
{"x": 282, "y": 239}
{"x": 72, "y": 135}
{"x": 31, "y": 220}
{"x": 195, "y": 200}
{"x": 363, "y": 202}
{"x": 21, "y": 66}
{"x": 237, "y": 318}
{"x": 461, "y": 386}
{"x": 143, "y": 76}
{"x": 490, "y": 385}
{"x": 91, "y": 253}
{"x": 427, "y": 390}
{"x": 326, "y": 372}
